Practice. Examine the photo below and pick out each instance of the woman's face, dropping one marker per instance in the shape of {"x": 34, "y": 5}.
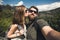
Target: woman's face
{"x": 26, "y": 12}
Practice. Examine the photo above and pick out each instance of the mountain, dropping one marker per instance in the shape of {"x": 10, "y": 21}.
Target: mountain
{"x": 53, "y": 17}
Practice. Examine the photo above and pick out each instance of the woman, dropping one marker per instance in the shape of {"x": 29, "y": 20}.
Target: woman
{"x": 18, "y": 28}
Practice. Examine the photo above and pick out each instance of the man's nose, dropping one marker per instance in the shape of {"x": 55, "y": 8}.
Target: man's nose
{"x": 27, "y": 11}
{"x": 32, "y": 12}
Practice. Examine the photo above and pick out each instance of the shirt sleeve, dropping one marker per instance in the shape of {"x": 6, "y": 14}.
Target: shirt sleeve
{"x": 41, "y": 23}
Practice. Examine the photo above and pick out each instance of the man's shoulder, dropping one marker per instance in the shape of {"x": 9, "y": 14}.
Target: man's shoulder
{"x": 40, "y": 20}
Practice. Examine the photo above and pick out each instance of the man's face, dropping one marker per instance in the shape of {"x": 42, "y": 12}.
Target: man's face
{"x": 32, "y": 13}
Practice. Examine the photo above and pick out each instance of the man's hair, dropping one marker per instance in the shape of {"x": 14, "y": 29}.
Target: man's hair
{"x": 34, "y": 8}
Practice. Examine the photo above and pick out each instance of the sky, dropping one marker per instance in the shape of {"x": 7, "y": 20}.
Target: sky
{"x": 42, "y": 5}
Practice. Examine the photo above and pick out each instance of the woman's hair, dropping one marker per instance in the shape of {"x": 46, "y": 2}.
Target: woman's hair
{"x": 19, "y": 15}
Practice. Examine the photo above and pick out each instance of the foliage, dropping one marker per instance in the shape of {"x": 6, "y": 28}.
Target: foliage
{"x": 52, "y": 17}
{"x": 6, "y": 15}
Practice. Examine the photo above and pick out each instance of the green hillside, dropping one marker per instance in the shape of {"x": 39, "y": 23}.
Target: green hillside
{"x": 6, "y": 16}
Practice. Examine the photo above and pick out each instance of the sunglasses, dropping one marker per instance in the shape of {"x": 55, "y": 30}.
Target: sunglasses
{"x": 32, "y": 11}
{"x": 26, "y": 11}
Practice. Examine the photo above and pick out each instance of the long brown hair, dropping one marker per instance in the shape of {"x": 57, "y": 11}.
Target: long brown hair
{"x": 19, "y": 15}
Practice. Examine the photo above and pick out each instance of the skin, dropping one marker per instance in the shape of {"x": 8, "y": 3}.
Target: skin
{"x": 26, "y": 13}
{"x": 50, "y": 34}
{"x": 32, "y": 15}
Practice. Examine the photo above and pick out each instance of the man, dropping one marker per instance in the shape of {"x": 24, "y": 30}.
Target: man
{"x": 33, "y": 31}
{"x": 39, "y": 29}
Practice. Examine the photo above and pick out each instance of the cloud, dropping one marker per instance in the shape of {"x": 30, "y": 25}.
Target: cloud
{"x": 19, "y": 3}
{"x": 1, "y": 2}
{"x": 11, "y": 4}
{"x": 48, "y": 6}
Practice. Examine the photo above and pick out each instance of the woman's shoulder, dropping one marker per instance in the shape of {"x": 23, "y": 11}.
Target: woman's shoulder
{"x": 13, "y": 25}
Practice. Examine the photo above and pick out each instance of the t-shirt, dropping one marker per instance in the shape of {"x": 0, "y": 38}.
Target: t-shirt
{"x": 33, "y": 30}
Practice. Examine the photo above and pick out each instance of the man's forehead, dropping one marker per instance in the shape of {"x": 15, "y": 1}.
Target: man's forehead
{"x": 33, "y": 9}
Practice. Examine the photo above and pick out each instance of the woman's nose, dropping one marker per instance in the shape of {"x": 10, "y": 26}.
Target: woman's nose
{"x": 26, "y": 14}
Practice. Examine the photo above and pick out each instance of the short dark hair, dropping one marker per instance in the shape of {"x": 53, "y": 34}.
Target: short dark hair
{"x": 34, "y": 8}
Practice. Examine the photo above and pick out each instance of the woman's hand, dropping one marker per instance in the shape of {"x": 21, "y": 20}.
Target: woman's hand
{"x": 22, "y": 31}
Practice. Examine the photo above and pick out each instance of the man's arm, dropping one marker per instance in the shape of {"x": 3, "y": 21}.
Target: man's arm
{"x": 50, "y": 34}
{"x": 47, "y": 31}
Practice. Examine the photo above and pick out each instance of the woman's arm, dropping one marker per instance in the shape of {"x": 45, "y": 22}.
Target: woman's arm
{"x": 11, "y": 34}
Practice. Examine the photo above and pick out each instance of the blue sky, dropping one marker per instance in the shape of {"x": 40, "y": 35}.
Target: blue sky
{"x": 51, "y": 4}
{"x": 30, "y": 2}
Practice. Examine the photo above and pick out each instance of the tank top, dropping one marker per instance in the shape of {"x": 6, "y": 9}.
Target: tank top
{"x": 19, "y": 28}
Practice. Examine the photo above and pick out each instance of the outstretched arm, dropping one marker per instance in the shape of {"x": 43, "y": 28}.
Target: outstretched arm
{"x": 47, "y": 31}
{"x": 50, "y": 34}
